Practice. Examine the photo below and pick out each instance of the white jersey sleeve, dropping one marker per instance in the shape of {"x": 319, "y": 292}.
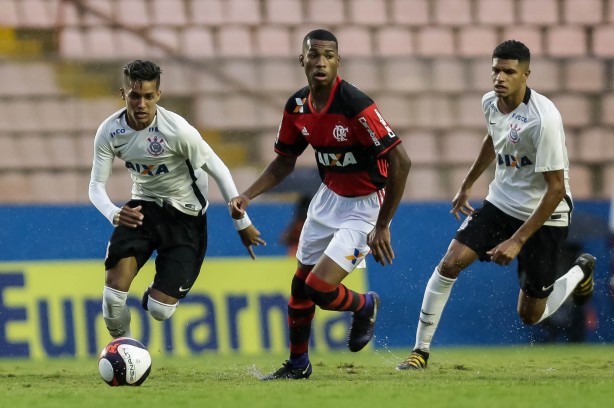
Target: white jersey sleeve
{"x": 551, "y": 154}
{"x": 216, "y": 168}
{"x": 101, "y": 171}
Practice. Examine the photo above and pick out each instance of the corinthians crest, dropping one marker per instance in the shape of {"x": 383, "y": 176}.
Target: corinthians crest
{"x": 513, "y": 135}
{"x": 155, "y": 146}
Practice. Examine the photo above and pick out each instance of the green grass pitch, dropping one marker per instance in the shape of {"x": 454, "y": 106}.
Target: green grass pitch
{"x": 515, "y": 376}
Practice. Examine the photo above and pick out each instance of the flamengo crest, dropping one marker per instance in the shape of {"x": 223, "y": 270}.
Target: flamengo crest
{"x": 340, "y": 133}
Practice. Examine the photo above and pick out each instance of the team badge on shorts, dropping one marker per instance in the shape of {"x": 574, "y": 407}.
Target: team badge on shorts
{"x": 155, "y": 146}
{"x": 356, "y": 257}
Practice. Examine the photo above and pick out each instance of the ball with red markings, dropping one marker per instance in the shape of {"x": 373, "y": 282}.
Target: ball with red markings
{"x": 124, "y": 361}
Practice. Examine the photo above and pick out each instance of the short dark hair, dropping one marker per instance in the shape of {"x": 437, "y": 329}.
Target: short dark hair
{"x": 512, "y": 50}
{"x": 140, "y": 70}
{"x": 322, "y": 35}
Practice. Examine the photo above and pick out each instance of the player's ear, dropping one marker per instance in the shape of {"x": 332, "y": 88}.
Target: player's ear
{"x": 301, "y": 60}
{"x": 121, "y": 90}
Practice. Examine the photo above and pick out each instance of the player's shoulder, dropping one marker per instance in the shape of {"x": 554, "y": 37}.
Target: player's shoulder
{"x": 111, "y": 123}
{"x": 540, "y": 101}
{"x": 172, "y": 117}
{"x": 542, "y": 107}
{"x": 173, "y": 124}
{"x": 297, "y": 100}
{"x": 349, "y": 97}
{"x": 488, "y": 99}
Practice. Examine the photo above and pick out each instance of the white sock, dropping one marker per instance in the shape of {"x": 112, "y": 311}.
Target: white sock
{"x": 561, "y": 290}
{"x": 115, "y": 312}
{"x": 435, "y": 298}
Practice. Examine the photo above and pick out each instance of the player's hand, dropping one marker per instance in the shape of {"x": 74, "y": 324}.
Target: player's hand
{"x": 131, "y": 217}
{"x": 379, "y": 242}
{"x": 237, "y": 206}
{"x": 250, "y": 237}
{"x": 504, "y": 253}
{"x": 460, "y": 203}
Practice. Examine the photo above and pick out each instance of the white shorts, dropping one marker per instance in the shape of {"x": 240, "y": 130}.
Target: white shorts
{"x": 338, "y": 227}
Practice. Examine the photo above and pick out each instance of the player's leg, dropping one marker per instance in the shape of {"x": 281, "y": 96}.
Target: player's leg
{"x": 345, "y": 252}
{"x": 181, "y": 252}
{"x": 114, "y": 309}
{"x": 127, "y": 252}
{"x": 479, "y": 232}
{"x": 301, "y": 309}
{"x": 541, "y": 292}
{"x": 434, "y": 300}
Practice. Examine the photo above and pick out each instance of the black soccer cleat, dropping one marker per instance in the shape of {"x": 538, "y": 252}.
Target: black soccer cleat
{"x": 417, "y": 360}
{"x": 362, "y": 328}
{"x": 289, "y": 372}
{"x": 145, "y": 298}
{"x": 584, "y": 290}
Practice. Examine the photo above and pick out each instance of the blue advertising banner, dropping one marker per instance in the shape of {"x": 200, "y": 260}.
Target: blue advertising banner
{"x": 52, "y": 276}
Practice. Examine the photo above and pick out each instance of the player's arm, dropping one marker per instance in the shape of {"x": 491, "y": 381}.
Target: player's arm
{"x": 504, "y": 253}
{"x": 460, "y": 203}
{"x": 101, "y": 171}
{"x": 398, "y": 169}
{"x": 216, "y": 168}
{"x": 275, "y": 172}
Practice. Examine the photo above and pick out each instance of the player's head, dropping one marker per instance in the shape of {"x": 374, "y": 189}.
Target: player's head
{"x": 512, "y": 50}
{"x": 320, "y": 58}
{"x": 141, "y": 91}
{"x": 510, "y": 68}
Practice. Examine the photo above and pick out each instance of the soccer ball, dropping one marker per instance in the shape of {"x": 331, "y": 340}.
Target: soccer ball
{"x": 124, "y": 361}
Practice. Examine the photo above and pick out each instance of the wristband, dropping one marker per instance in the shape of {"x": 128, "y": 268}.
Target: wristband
{"x": 242, "y": 223}
{"x": 116, "y": 218}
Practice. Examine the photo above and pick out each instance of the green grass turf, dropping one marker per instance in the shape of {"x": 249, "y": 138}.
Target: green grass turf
{"x": 517, "y": 376}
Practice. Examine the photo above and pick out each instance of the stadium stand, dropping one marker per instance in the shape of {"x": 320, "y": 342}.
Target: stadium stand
{"x": 229, "y": 66}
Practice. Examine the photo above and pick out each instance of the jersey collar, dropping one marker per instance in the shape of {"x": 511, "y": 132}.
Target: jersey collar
{"x": 330, "y": 98}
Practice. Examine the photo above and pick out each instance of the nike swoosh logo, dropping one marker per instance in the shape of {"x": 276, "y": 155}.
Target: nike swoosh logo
{"x": 427, "y": 323}
{"x": 545, "y": 288}
{"x": 493, "y": 123}
{"x": 118, "y": 146}
{"x": 182, "y": 289}
{"x": 306, "y": 368}
{"x": 427, "y": 314}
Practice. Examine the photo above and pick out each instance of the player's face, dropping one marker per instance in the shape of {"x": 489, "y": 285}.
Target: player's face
{"x": 320, "y": 61}
{"x": 141, "y": 100}
{"x": 509, "y": 76}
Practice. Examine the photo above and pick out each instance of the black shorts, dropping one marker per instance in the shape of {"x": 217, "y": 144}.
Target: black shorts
{"x": 538, "y": 263}
{"x": 179, "y": 239}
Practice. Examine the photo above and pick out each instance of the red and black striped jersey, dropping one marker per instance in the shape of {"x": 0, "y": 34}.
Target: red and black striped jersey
{"x": 349, "y": 137}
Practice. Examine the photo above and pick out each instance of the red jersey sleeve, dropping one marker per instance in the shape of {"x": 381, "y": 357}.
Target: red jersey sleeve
{"x": 290, "y": 141}
{"x": 375, "y": 130}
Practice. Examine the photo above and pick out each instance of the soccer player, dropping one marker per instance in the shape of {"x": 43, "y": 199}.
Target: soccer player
{"x": 527, "y": 211}
{"x": 363, "y": 168}
{"x": 168, "y": 161}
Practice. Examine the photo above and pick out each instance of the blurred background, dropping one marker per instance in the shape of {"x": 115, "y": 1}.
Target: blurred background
{"x": 229, "y": 66}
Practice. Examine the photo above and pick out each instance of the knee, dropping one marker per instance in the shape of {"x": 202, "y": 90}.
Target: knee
{"x": 160, "y": 311}
{"x": 113, "y": 301}
{"x": 449, "y": 269}
{"x": 529, "y": 317}
{"x": 528, "y": 320}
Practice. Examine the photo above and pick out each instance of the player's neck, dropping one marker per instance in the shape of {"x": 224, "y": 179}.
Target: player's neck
{"x": 510, "y": 103}
{"x": 319, "y": 98}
